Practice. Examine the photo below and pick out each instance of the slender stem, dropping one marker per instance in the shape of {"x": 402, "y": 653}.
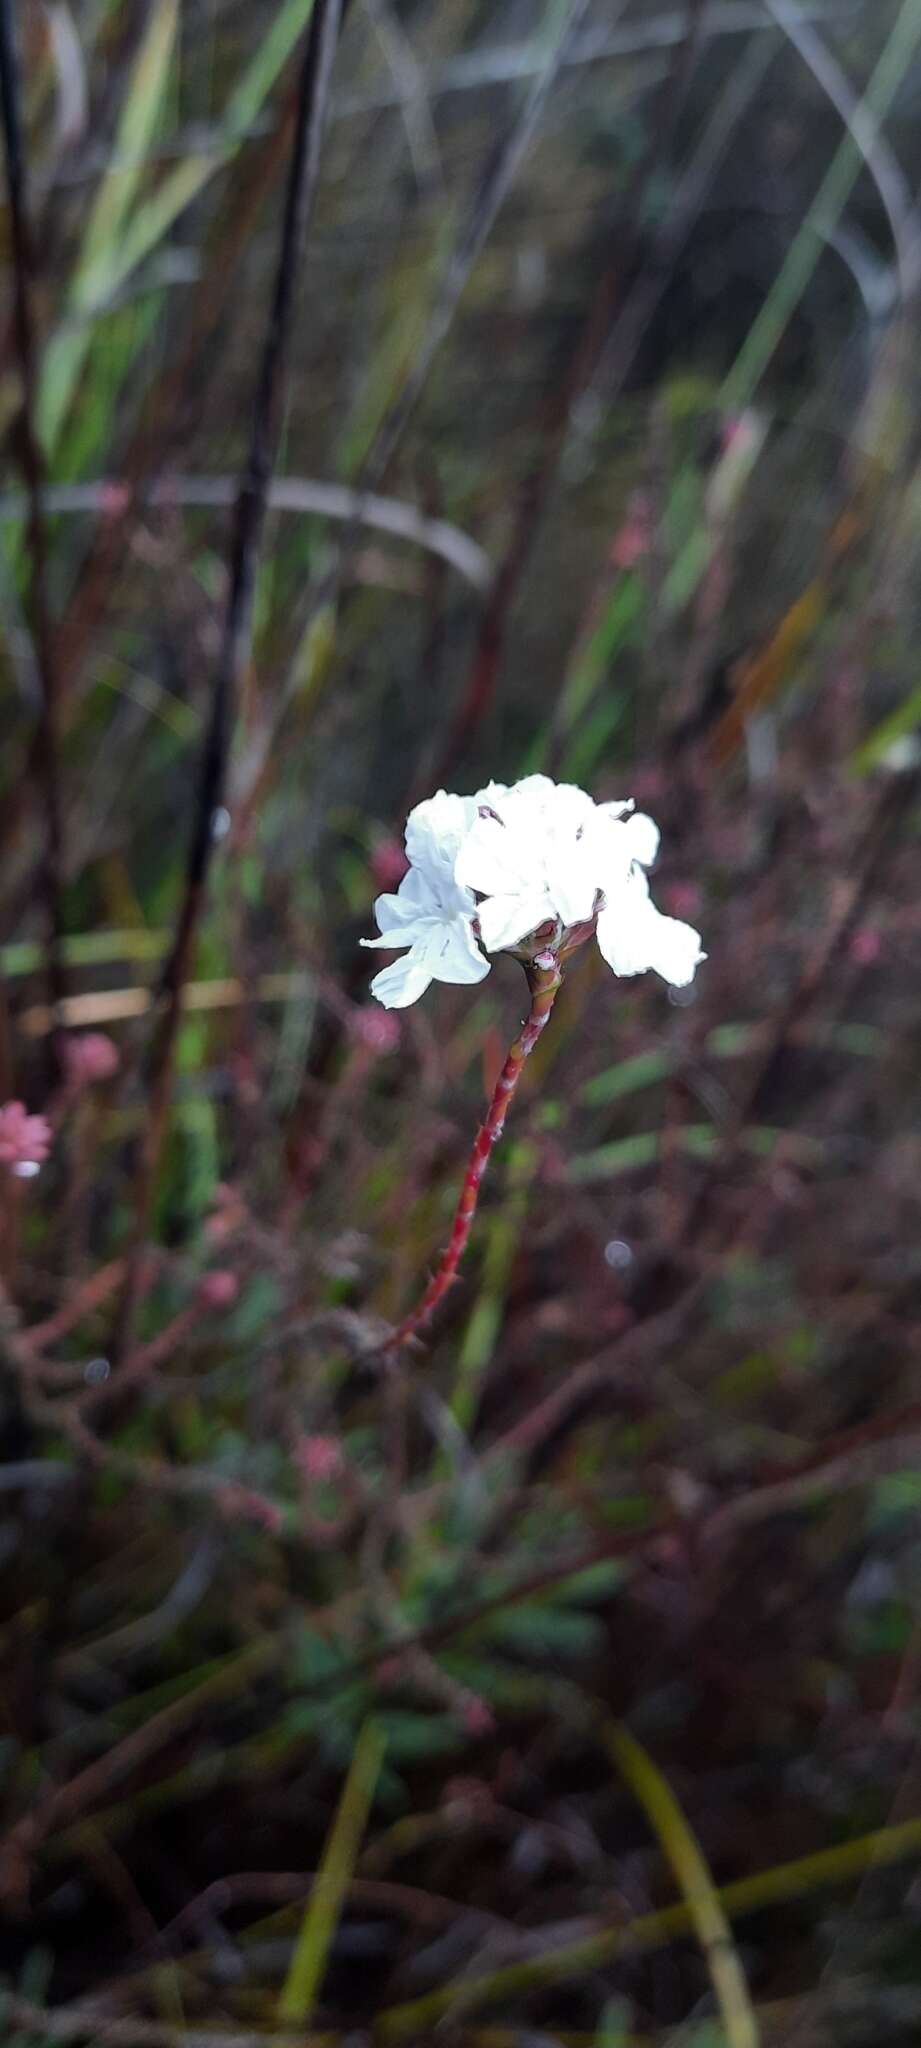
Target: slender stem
{"x": 44, "y": 751}
{"x": 545, "y": 976}
{"x": 236, "y": 640}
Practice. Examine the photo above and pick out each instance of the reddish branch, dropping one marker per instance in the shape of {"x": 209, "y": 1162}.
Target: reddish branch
{"x": 544, "y": 977}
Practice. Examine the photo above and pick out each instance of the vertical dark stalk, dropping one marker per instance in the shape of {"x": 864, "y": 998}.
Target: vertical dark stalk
{"x": 236, "y": 638}
{"x": 44, "y": 754}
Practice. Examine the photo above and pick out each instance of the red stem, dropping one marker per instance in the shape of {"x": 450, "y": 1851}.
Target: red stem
{"x": 544, "y": 978}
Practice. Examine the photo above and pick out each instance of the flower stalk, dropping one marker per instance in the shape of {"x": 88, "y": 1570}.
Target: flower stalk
{"x": 545, "y": 976}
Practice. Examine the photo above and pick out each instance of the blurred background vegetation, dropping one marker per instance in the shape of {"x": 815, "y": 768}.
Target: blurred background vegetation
{"x": 559, "y": 1680}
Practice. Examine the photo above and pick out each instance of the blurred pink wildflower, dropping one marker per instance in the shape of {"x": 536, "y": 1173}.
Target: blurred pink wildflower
{"x": 25, "y": 1141}
{"x": 218, "y": 1289}
{"x": 319, "y": 1457}
{"x": 89, "y": 1056}
{"x": 377, "y": 1030}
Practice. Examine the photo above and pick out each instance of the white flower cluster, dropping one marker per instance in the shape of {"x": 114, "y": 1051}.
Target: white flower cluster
{"x": 487, "y": 871}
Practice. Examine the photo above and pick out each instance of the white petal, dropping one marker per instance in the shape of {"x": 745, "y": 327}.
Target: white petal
{"x": 494, "y": 859}
{"x": 642, "y": 836}
{"x": 614, "y": 847}
{"x": 506, "y": 919}
{"x": 634, "y": 936}
{"x": 435, "y": 830}
{"x": 400, "y": 935}
{"x": 678, "y": 952}
{"x": 455, "y": 956}
{"x": 414, "y": 895}
{"x": 539, "y": 789}
{"x": 402, "y": 983}
{"x": 492, "y": 794}
{"x": 571, "y": 878}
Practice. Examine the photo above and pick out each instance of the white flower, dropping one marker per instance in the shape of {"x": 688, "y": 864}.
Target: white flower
{"x": 431, "y": 913}
{"x": 545, "y": 852}
{"x": 541, "y": 853}
{"x": 527, "y": 853}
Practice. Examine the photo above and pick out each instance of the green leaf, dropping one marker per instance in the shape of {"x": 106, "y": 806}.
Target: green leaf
{"x": 340, "y": 1854}
{"x": 642, "y": 1071}
{"x": 899, "y": 723}
{"x": 411, "y": 1736}
{"x": 122, "y": 242}
{"x": 97, "y": 261}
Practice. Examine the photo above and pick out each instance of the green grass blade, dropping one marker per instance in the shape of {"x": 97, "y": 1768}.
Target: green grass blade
{"x": 308, "y": 1963}
{"x": 98, "y": 256}
{"x": 692, "y": 1873}
{"x": 823, "y": 215}
{"x": 154, "y": 217}
{"x": 898, "y": 725}
{"x": 417, "y": 2019}
{"x": 124, "y": 240}
{"x": 143, "y": 105}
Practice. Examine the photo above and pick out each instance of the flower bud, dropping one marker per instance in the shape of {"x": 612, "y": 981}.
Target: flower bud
{"x": 218, "y": 1289}
{"x": 25, "y": 1141}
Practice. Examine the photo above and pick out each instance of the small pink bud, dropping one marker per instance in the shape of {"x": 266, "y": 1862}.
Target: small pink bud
{"x": 634, "y": 538}
{"x": 647, "y": 783}
{"x": 681, "y": 899}
{"x": 114, "y": 499}
{"x": 388, "y": 863}
{"x": 319, "y": 1457}
{"x": 467, "y": 1798}
{"x": 477, "y": 1717}
{"x": 88, "y": 1057}
{"x": 865, "y": 946}
{"x": 391, "y": 1670}
{"x": 218, "y": 1289}
{"x": 25, "y": 1141}
{"x": 227, "y": 1215}
{"x": 240, "y": 1504}
{"x": 376, "y": 1029}
{"x": 738, "y": 429}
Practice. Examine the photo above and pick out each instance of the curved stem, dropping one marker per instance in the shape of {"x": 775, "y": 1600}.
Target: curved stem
{"x": 545, "y": 976}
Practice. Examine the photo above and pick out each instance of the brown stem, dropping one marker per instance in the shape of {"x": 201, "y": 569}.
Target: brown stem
{"x": 545, "y": 976}
{"x": 44, "y": 756}
{"x": 237, "y": 634}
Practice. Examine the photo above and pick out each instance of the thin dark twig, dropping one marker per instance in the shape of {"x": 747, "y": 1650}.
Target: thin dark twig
{"x": 236, "y": 640}
{"x": 499, "y": 173}
{"x": 565, "y": 385}
{"x": 892, "y": 807}
{"x": 44, "y": 754}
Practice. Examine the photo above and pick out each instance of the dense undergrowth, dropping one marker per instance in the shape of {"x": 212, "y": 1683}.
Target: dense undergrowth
{"x": 577, "y": 1646}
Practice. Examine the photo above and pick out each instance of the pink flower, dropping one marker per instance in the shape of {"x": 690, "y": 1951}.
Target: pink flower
{"x": 865, "y": 946}
{"x": 377, "y": 1030}
{"x": 388, "y": 863}
{"x": 25, "y": 1141}
{"x": 114, "y": 498}
{"x": 218, "y": 1289}
{"x": 477, "y": 1717}
{"x": 634, "y": 538}
{"x": 90, "y": 1056}
{"x": 682, "y": 899}
{"x": 319, "y": 1457}
{"x": 391, "y": 1670}
{"x": 241, "y": 1504}
{"x": 227, "y": 1215}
